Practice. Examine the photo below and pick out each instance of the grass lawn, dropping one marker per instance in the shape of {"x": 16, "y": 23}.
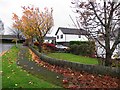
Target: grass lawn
{"x": 15, "y": 77}
{"x": 74, "y": 58}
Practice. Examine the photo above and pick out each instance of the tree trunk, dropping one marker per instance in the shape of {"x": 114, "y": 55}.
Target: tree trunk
{"x": 107, "y": 45}
{"x": 108, "y": 58}
{"x": 40, "y": 44}
{"x": 40, "y": 47}
{"x": 30, "y": 41}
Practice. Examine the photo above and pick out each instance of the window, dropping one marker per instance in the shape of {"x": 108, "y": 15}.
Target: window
{"x": 53, "y": 42}
{"x": 57, "y": 37}
{"x": 61, "y": 36}
{"x": 48, "y": 40}
{"x": 79, "y": 36}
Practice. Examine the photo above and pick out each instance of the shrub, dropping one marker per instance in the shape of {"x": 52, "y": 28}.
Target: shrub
{"x": 82, "y": 48}
{"x": 74, "y": 42}
{"x": 48, "y": 47}
{"x": 74, "y": 49}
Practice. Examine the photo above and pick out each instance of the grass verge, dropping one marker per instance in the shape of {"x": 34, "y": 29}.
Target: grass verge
{"x": 14, "y": 77}
{"x": 74, "y": 58}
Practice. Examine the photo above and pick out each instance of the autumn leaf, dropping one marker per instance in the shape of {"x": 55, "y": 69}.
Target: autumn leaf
{"x": 75, "y": 79}
{"x": 34, "y": 22}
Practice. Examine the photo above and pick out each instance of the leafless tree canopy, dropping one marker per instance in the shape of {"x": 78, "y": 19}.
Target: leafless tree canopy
{"x": 101, "y": 19}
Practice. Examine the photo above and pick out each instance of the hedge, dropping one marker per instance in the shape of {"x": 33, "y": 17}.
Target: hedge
{"x": 86, "y": 48}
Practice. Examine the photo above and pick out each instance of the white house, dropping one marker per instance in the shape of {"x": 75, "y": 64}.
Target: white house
{"x": 49, "y": 39}
{"x": 65, "y": 35}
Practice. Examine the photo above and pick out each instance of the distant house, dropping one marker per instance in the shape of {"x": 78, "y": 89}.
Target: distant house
{"x": 9, "y": 38}
{"x": 50, "y": 39}
{"x": 47, "y": 39}
{"x": 65, "y": 35}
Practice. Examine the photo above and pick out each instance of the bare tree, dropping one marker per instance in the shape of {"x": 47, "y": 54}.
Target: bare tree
{"x": 101, "y": 19}
{"x": 15, "y": 32}
{"x": 18, "y": 34}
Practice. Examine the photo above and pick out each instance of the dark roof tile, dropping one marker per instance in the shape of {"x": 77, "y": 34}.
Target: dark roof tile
{"x": 73, "y": 31}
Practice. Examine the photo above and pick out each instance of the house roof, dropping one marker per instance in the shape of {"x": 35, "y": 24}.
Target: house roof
{"x": 73, "y": 31}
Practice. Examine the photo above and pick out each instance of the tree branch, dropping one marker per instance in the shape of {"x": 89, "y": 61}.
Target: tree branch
{"x": 96, "y": 14}
{"x": 117, "y": 41}
{"x": 111, "y": 13}
{"x": 116, "y": 6}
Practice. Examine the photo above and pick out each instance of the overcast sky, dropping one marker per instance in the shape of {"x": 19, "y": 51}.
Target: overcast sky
{"x": 61, "y": 11}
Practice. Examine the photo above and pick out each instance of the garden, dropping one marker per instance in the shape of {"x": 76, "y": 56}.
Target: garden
{"x": 74, "y": 58}
{"x": 71, "y": 76}
{"x": 83, "y": 52}
{"x": 24, "y": 68}
{"x": 18, "y": 72}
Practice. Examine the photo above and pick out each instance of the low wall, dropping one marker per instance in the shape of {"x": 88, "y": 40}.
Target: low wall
{"x": 96, "y": 69}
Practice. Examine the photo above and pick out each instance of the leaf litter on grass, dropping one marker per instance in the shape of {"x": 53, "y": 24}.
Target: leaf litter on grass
{"x": 75, "y": 79}
{"x": 12, "y": 75}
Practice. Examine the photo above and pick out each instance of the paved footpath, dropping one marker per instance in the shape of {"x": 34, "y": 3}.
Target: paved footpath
{"x": 30, "y": 66}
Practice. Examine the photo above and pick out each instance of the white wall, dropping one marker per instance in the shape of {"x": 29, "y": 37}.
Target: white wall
{"x": 75, "y": 38}
{"x": 48, "y": 41}
{"x": 59, "y": 34}
{"x": 68, "y": 37}
{"x": 101, "y": 50}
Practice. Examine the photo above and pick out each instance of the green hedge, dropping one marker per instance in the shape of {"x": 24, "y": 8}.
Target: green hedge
{"x": 86, "y": 48}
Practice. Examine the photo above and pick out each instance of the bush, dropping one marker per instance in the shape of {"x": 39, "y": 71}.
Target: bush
{"x": 74, "y": 42}
{"x": 48, "y": 47}
{"x": 82, "y": 48}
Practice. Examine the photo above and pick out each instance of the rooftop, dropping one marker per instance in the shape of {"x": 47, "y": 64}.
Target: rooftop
{"x": 73, "y": 31}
